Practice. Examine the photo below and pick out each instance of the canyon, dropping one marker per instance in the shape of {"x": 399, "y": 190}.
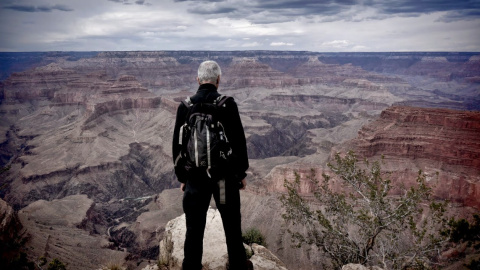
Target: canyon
{"x": 87, "y": 138}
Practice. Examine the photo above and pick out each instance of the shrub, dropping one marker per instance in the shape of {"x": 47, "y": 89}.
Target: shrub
{"x": 363, "y": 223}
{"x": 56, "y": 264}
{"x": 463, "y": 231}
{"x": 113, "y": 266}
{"x": 253, "y": 235}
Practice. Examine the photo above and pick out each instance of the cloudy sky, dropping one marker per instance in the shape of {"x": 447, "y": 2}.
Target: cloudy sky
{"x": 322, "y": 25}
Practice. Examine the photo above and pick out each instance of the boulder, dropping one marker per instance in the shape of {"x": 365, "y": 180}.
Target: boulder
{"x": 215, "y": 255}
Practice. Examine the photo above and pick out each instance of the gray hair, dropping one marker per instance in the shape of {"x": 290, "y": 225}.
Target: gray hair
{"x": 209, "y": 71}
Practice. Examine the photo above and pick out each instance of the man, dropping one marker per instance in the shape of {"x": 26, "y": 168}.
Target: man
{"x": 198, "y": 187}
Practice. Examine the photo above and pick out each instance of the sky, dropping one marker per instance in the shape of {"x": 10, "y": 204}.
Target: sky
{"x": 227, "y": 25}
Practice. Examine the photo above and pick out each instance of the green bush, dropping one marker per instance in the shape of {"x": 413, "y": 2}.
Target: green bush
{"x": 462, "y": 230}
{"x": 253, "y": 235}
{"x": 363, "y": 222}
{"x": 56, "y": 264}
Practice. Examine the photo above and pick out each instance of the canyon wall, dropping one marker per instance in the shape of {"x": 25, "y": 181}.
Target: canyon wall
{"x": 443, "y": 143}
{"x": 96, "y": 128}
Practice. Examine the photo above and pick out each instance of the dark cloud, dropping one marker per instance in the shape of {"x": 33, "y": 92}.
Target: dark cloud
{"x": 55, "y": 7}
{"x": 288, "y": 10}
{"x": 468, "y": 8}
{"x": 210, "y": 7}
{"x": 22, "y": 8}
{"x": 211, "y": 10}
{"x": 203, "y": 1}
{"x": 428, "y": 6}
{"x": 456, "y": 10}
{"x": 304, "y": 4}
{"x": 127, "y": 3}
{"x": 291, "y": 9}
{"x": 461, "y": 15}
{"x": 44, "y": 8}
{"x": 278, "y": 10}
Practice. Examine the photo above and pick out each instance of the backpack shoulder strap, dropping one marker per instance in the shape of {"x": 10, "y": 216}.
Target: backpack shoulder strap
{"x": 220, "y": 101}
{"x": 187, "y": 102}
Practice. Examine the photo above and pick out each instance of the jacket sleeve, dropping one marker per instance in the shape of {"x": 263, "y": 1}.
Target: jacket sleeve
{"x": 176, "y": 147}
{"x": 236, "y": 136}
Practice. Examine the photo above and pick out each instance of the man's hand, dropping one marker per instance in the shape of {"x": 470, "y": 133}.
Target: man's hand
{"x": 182, "y": 187}
{"x": 244, "y": 184}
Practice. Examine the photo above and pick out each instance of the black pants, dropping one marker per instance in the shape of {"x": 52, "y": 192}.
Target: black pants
{"x": 196, "y": 199}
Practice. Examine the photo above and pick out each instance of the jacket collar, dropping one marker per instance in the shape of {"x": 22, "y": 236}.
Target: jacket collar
{"x": 206, "y": 93}
{"x": 207, "y": 87}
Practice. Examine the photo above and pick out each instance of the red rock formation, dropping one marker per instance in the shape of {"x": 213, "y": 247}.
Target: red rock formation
{"x": 443, "y": 143}
{"x": 448, "y": 136}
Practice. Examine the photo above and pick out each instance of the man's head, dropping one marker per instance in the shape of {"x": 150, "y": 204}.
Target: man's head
{"x": 209, "y": 72}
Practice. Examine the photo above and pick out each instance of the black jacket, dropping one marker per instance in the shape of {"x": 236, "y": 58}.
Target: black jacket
{"x": 233, "y": 130}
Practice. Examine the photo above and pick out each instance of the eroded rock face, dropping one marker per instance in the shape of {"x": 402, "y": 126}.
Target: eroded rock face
{"x": 10, "y": 226}
{"x": 55, "y": 230}
{"x": 448, "y": 136}
{"x": 443, "y": 143}
{"x": 7, "y": 218}
{"x": 75, "y": 129}
{"x": 215, "y": 254}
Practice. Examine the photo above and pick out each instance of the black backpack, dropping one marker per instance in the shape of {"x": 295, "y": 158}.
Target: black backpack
{"x": 204, "y": 144}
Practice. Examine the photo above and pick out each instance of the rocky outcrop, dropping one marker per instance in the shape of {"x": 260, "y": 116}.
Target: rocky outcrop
{"x": 8, "y": 220}
{"x": 215, "y": 254}
{"x": 10, "y": 228}
{"x": 112, "y": 106}
{"x": 442, "y": 143}
{"x": 13, "y": 237}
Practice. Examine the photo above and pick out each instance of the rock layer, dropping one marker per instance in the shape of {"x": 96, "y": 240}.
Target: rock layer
{"x": 448, "y": 136}
{"x": 443, "y": 143}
